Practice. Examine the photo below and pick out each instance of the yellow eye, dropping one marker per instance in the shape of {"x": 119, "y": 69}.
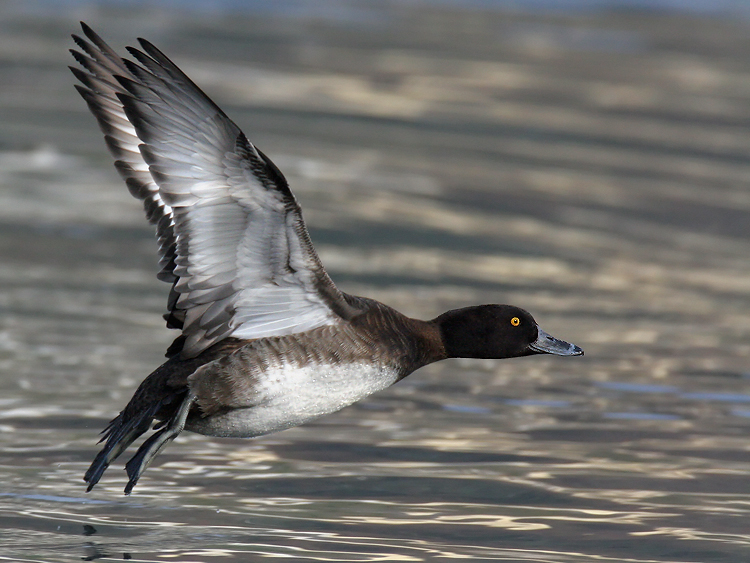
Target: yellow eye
{"x": 515, "y": 321}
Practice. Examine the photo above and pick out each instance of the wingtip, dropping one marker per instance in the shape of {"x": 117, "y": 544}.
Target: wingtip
{"x": 87, "y": 29}
{"x": 146, "y": 44}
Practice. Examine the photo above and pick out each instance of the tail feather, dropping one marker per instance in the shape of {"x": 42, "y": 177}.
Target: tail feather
{"x": 163, "y": 396}
{"x": 120, "y": 433}
{"x": 154, "y": 399}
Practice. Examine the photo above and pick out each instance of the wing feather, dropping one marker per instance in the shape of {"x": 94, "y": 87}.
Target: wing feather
{"x": 232, "y": 239}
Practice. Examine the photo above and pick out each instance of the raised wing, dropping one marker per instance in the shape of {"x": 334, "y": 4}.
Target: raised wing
{"x": 232, "y": 239}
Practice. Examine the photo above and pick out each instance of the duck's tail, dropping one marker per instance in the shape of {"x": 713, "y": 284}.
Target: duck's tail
{"x": 119, "y": 434}
{"x": 153, "y": 399}
{"x": 163, "y": 396}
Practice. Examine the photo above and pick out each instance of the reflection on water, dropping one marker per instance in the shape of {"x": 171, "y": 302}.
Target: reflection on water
{"x": 590, "y": 168}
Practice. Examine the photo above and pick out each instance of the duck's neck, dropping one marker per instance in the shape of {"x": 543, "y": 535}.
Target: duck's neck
{"x": 414, "y": 342}
{"x": 428, "y": 346}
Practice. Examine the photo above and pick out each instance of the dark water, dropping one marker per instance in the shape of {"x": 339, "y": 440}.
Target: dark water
{"x": 591, "y": 168}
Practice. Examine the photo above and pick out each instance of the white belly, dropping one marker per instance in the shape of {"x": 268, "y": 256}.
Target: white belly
{"x": 291, "y": 396}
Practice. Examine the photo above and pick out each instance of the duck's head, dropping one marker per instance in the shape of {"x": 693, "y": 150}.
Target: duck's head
{"x": 497, "y": 331}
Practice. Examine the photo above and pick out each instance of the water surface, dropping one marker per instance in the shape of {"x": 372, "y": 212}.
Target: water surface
{"x": 591, "y": 168}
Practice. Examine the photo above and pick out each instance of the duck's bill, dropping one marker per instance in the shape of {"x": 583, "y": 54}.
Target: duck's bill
{"x": 546, "y": 344}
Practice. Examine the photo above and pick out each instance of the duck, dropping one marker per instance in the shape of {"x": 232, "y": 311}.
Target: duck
{"x": 266, "y": 339}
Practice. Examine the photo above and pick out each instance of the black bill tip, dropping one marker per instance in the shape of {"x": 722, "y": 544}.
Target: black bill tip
{"x": 546, "y": 344}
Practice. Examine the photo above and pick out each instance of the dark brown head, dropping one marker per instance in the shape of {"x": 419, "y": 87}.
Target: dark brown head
{"x": 497, "y": 331}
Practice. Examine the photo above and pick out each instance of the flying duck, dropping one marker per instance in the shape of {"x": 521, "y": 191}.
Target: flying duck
{"x": 267, "y": 341}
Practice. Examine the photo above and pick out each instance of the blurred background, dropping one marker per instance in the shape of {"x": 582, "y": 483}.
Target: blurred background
{"x": 585, "y": 160}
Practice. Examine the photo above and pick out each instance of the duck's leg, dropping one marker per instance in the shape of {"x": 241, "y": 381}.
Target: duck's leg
{"x": 151, "y": 447}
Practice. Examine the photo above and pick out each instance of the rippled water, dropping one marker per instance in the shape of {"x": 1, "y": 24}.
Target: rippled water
{"x": 591, "y": 168}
